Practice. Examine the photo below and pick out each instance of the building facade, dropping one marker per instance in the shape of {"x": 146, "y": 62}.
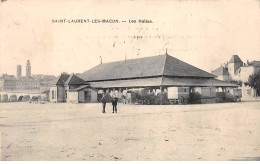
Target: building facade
{"x": 235, "y": 69}
{"x": 19, "y": 72}
{"x": 28, "y": 69}
{"x": 157, "y": 74}
{"x": 28, "y": 83}
{"x": 71, "y": 88}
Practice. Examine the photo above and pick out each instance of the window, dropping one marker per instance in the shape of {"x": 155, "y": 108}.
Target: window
{"x": 53, "y": 94}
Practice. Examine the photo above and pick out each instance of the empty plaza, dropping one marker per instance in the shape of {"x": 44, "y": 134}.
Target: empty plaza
{"x": 64, "y": 131}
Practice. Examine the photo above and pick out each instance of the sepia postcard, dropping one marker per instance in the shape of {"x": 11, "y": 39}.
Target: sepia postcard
{"x": 129, "y": 80}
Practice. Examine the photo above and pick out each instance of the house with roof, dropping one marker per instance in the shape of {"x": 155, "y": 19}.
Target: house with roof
{"x": 222, "y": 73}
{"x": 156, "y": 73}
{"x": 235, "y": 69}
{"x": 71, "y": 88}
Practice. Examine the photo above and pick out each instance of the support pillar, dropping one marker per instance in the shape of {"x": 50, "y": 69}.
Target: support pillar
{"x": 120, "y": 93}
{"x": 113, "y": 92}
{"x": 161, "y": 95}
{"x": 166, "y": 90}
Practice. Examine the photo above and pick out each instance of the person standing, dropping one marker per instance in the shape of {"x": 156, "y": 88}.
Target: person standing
{"x": 114, "y": 103}
{"x": 104, "y": 101}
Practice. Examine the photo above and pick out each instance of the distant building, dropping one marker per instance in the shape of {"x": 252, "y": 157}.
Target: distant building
{"x": 18, "y": 72}
{"x": 235, "y": 69}
{"x": 233, "y": 65}
{"x": 71, "y": 88}
{"x": 247, "y": 69}
{"x": 222, "y": 73}
{"x": 25, "y": 84}
{"x": 7, "y": 84}
{"x": 29, "y": 83}
{"x": 28, "y": 69}
{"x": 8, "y": 77}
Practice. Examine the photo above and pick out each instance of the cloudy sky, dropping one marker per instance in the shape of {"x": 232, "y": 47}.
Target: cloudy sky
{"x": 202, "y": 33}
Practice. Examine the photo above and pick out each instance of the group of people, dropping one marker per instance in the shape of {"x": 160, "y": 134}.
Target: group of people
{"x": 104, "y": 100}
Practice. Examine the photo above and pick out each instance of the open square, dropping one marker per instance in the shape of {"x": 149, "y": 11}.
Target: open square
{"x": 228, "y": 131}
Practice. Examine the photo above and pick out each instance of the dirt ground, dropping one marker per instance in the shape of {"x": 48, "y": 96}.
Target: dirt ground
{"x": 228, "y": 131}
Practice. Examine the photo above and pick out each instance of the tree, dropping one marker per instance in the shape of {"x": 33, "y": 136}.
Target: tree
{"x": 254, "y": 82}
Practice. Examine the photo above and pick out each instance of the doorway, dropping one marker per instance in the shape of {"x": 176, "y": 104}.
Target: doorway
{"x": 87, "y": 96}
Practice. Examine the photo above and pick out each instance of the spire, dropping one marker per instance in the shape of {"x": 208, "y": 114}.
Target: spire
{"x": 166, "y": 52}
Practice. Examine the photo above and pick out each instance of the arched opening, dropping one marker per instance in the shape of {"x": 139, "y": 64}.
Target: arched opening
{"x": 13, "y": 98}
{"x": 20, "y": 98}
{"x": 26, "y": 98}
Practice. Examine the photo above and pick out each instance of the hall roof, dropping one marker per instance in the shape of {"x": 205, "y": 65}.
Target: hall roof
{"x": 162, "y": 65}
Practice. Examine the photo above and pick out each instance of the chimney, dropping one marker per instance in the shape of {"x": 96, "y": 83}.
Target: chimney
{"x": 226, "y": 65}
{"x": 100, "y": 59}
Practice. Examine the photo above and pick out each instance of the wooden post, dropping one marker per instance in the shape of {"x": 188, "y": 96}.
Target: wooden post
{"x": 161, "y": 97}
{"x": 166, "y": 88}
{"x": 120, "y": 93}
{"x": 113, "y": 92}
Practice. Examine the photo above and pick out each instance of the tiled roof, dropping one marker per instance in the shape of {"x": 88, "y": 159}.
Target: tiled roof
{"x": 62, "y": 78}
{"x": 75, "y": 80}
{"x": 144, "y": 67}
{"x": 65, "y": 79}
{"x": 254, "y": 63}
{"x": 235, "y": 59}
{"x": 220, "y": 71}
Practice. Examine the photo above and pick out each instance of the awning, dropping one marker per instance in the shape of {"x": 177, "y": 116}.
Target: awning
{"x": 193, "y": 82}
{"x": 79, "y": 88}
{"x": 147, "y": 82}
{"x": 161, "y": 81}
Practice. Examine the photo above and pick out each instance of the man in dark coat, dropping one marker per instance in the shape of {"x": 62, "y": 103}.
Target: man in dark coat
{"x": 104, "y": 101}
{"x": 114, "y": 103}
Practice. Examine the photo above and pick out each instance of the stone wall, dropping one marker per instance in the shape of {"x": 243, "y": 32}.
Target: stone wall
{"x": 72, "y": 97}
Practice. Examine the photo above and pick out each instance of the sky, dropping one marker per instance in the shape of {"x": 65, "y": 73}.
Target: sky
{"x": 202, "y": 33}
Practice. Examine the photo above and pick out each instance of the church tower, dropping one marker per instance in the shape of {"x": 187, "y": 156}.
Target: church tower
{"x": 28, "y": 69}
{"x": 18, "y": 72}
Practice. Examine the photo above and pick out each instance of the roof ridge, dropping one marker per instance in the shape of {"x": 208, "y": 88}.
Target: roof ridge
{"x": 164, "y": 64}
{"x": 74, "y": 77}
{"x": 67, "y": 81}
{"x": 130, "y": 59}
